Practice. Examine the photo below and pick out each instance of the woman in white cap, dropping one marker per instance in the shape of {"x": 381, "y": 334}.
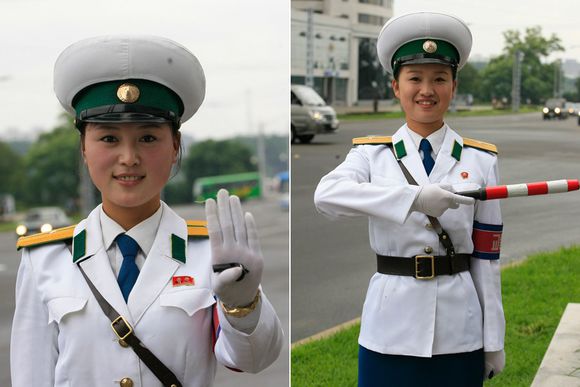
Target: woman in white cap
{"x": 433, "y": 313}
{"x": 134, "y": 295}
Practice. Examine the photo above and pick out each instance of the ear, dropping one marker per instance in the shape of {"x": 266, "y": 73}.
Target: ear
{"x": 395, "y": 86}
{"x": 454, "y": 86}
{"x": 83, "y": 148}
{"x": 176, "y": 145}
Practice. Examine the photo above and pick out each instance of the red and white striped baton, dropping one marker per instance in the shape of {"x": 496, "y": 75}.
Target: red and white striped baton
{"x": 526, "y": 189}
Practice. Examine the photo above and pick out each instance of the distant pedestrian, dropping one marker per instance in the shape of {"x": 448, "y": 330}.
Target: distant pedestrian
{"x": 433, "y": 312}
{"x": 134, "y": 295}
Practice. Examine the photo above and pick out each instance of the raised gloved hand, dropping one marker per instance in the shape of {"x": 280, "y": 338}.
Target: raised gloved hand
{"x": 435, "y": 199}
{"x": 494, "y": 363}
{"x": 235, "y": 250}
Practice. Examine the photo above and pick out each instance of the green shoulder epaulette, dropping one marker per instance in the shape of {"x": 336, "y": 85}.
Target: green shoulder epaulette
{"x": 479, "y": 145}
{"x": 56, "y": 235}
{"x": 197, "y": 228}
{"x": 372, "y": 140}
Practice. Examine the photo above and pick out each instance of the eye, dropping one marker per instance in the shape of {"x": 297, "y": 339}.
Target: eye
{"x": 414, "y": 79}
{"x": 109, "y": 138}
{"x": 148, "y": 138}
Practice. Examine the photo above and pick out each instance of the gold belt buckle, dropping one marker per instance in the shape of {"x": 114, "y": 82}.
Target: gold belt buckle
{"x": 418, "y": 270}
{"x": 127, "y": 325}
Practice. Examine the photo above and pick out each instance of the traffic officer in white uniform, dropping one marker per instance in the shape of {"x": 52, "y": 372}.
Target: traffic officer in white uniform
{"x": 134, "y": 295}
{"x": 433, "y": 313}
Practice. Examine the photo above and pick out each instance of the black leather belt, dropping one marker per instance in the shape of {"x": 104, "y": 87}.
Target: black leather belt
{"x": 423, "y": 267}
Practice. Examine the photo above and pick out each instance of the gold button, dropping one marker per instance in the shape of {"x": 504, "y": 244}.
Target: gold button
{"x": 428, "y": 249}
{"x": 126, "y": 382}
{"x": 428, "y": 226}
{"x": 123, "y": 343}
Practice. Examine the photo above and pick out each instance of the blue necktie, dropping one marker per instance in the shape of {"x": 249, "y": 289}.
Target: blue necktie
{"x": 129, "y": 270}
{"x": 428, "y": 161}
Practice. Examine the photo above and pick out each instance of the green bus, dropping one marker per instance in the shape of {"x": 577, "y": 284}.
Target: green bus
{"x": 244, "y": 185}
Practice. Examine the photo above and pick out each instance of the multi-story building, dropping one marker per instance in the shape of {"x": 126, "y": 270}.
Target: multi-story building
{"x": 333, "y": 45}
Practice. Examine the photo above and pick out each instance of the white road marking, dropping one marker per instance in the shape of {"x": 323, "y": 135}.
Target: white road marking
{"x": 2, "y": 267}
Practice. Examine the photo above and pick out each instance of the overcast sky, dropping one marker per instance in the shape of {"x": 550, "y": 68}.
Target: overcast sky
{"x": 488, "y": 19}
{"x": 243, "y": 47}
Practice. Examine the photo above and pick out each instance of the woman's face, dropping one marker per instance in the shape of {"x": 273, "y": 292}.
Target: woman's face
{"x": 130, "y": 163}
{"x": 425, "y": 91}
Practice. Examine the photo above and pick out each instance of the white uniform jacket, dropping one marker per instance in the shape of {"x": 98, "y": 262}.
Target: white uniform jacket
{"x": 403, "y": 315}
{"x": 61, "y": 337}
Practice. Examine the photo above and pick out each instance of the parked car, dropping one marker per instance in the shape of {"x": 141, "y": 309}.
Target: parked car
{"x": 310, "y": 115}
{"x": 42, "y": 219}
{"x": 555, "y": 108}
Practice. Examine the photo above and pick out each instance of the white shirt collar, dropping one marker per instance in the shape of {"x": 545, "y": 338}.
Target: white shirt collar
{"x": 436, "y": 138}
{"x": 143, "y": 233}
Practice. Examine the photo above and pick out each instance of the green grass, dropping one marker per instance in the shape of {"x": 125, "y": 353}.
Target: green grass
{"x": 8, "y": 226}
{"x": 463, "y": 113}
{"x": 535, "y": 295}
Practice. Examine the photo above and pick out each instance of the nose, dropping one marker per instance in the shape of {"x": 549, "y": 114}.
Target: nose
{"x": 129, "y": 154}
{"x": 426, "y": 88}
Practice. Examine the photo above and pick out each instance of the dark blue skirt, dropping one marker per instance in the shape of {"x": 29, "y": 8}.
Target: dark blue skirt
{"x": 450, "y": 370}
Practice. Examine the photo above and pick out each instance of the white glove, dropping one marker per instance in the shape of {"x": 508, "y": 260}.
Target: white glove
{"x": 234, "y": 240}
{"x": 494, "y": 363}
{"x": 435, "y": 199}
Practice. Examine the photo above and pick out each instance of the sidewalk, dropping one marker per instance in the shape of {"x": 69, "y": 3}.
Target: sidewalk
{"x": 561, "y": 364}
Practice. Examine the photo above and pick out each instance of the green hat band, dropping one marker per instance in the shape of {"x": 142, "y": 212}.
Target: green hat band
{"x": 150, "y": 94}
{"x": 425, "y": 48}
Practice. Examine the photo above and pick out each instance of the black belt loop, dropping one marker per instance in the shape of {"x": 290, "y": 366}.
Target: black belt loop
{"x": 124, "y": 332}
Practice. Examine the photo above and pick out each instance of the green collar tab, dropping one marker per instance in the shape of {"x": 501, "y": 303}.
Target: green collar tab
{"x": 79, "y": 245}
{"x": 177, "y": 248}
{"x": 400, "y": 150}
{"x": 456, "y": 152}
{"x": 144, "y": 93}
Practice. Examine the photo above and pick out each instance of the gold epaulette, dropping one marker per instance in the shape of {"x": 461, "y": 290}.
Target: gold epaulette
{"x": 56, "y": 235}
{"x": 372, "y": 140}
{"x": 479, "y": 145}
{"x": 197, "y": 228}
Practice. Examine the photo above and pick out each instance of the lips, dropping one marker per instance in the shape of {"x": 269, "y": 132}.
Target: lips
{"x": 425, "y": 102}
{"x": 128, "y": 178}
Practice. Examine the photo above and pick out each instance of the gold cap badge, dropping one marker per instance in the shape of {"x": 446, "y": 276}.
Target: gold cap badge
{"x": 430, "y": 46}
{"x": 128, "y": 93}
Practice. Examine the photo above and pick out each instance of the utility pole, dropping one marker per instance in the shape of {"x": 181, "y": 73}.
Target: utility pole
{"x": 516, "y": 80}
{"x": 309, "y": 81}
{"x": 261, "y": 150}
{"x": 557, "y": 78}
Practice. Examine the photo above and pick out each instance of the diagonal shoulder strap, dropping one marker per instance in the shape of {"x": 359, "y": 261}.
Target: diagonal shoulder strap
{"x": 125, "y": 333}
{"x": 441, "y": 233}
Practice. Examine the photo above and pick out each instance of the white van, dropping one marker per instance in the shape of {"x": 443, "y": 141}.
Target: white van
{"x": 310, "y": 115}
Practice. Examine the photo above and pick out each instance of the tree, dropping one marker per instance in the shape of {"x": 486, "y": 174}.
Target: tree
{"x": 52, "y": 167}
{"x": 537, "y": 76}
{"x": 10, "y": 170}
{"x": 468, "y": 80}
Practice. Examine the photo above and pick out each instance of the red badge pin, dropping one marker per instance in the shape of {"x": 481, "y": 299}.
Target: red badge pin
{"x": 464, "y": 175}
{"x": 183, "y": 280}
